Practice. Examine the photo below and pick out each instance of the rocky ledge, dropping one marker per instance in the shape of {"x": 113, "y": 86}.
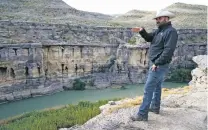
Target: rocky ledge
{"x": 183, "y": 108}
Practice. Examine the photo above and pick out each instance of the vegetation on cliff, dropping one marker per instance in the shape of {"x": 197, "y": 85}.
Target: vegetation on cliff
{"x": 78, "y": 85}
{"x": 57, "y": 11}
{"x": 48, "y": 11}
{"x": 54, "y": 118}
{"x": 185, "y": 13}
{"x": 180, "y": 75}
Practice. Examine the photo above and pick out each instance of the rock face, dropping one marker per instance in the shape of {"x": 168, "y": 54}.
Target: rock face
{"x": 179, "y": 111}
{"x": 199, "y": 75}
{"x": 187, "y": 48}
{"x": 45, "y": 58}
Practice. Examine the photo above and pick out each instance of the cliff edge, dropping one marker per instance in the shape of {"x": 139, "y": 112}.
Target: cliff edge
{"x": 184, "y": 109}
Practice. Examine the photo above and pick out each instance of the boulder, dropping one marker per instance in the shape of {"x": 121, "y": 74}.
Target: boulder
{"x": 201, "y": 61}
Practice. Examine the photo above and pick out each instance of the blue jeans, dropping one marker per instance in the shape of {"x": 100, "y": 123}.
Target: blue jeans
{"x": 152, "y": 89}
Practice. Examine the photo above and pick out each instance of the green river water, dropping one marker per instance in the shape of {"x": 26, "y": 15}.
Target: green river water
{"x": 72, "y": 97}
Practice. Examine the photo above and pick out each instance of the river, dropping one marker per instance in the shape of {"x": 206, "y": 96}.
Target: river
{"x": 72, "y": 97}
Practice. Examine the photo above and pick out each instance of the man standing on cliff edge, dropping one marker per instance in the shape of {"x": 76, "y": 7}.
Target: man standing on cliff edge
{"x": 163, "y": 43}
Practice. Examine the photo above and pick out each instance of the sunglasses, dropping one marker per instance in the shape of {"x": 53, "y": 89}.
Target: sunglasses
{"x": 159, "y": 18}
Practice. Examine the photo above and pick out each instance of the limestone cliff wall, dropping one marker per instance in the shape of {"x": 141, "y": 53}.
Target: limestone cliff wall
{"x": 191, "y": 42}
{"x": 39, "y": 58}
{"x": 27, "y": 32}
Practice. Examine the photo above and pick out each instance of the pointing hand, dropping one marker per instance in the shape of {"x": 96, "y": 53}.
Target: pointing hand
{"x": 136, "y": 29}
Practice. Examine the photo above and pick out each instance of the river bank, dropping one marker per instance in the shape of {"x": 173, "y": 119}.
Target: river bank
{"x": 182, "y": 108}
{"x": 73, "y": 97}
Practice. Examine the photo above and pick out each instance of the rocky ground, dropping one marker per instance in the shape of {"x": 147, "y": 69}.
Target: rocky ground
{"x": 181, "y": 109}
{"x": 178, "y": 112}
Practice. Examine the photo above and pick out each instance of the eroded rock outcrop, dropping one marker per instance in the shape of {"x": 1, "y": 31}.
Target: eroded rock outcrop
{"x": 186, "y": 110}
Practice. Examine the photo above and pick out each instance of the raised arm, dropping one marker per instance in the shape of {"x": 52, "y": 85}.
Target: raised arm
{"x": 147, "y": 36}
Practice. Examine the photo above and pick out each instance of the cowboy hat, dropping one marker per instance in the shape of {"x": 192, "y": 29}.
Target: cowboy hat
{"x": 164, "y": 13}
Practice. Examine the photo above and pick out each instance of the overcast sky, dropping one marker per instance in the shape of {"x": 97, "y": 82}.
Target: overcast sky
{"x": 123, "y": 6}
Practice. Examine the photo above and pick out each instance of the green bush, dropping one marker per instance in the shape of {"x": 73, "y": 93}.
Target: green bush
{"x": 78, "y": 85}
{"x": 54, "y": 119}
{"x": 132, "y": 41}
{"x": 181, "y": 75}
{"x": 91, "y": 82}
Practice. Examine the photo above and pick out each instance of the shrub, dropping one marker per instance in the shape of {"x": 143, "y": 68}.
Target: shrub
{"x": 54, "y": 119}
{"x": 180, "y": 75}
{"x": 132, "y": 41}
{"x": 78, "y": 85}
{"x": 91, "y": 82}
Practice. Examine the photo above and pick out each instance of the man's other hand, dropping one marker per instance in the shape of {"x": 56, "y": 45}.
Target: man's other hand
{"x": 154, "y": 67}
{"x": 136, "y": 29}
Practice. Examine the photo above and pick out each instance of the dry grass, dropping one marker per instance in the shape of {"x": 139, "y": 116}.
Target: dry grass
{"x": 185, "y": 13}
{"x": 166, "y": 92}
{"x": 126, "y": 103}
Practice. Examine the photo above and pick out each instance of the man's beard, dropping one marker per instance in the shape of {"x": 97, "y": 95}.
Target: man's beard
{"x": 160, "y": 23}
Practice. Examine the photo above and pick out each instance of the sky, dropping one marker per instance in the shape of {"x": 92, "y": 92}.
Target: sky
{"x": 123, "y": 6}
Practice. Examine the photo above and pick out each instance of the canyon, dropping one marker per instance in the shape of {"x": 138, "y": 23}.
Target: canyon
{"x": 40, "y": 58}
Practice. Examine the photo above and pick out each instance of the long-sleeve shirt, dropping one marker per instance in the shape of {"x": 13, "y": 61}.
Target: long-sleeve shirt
{"x": 163, "y": 43}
